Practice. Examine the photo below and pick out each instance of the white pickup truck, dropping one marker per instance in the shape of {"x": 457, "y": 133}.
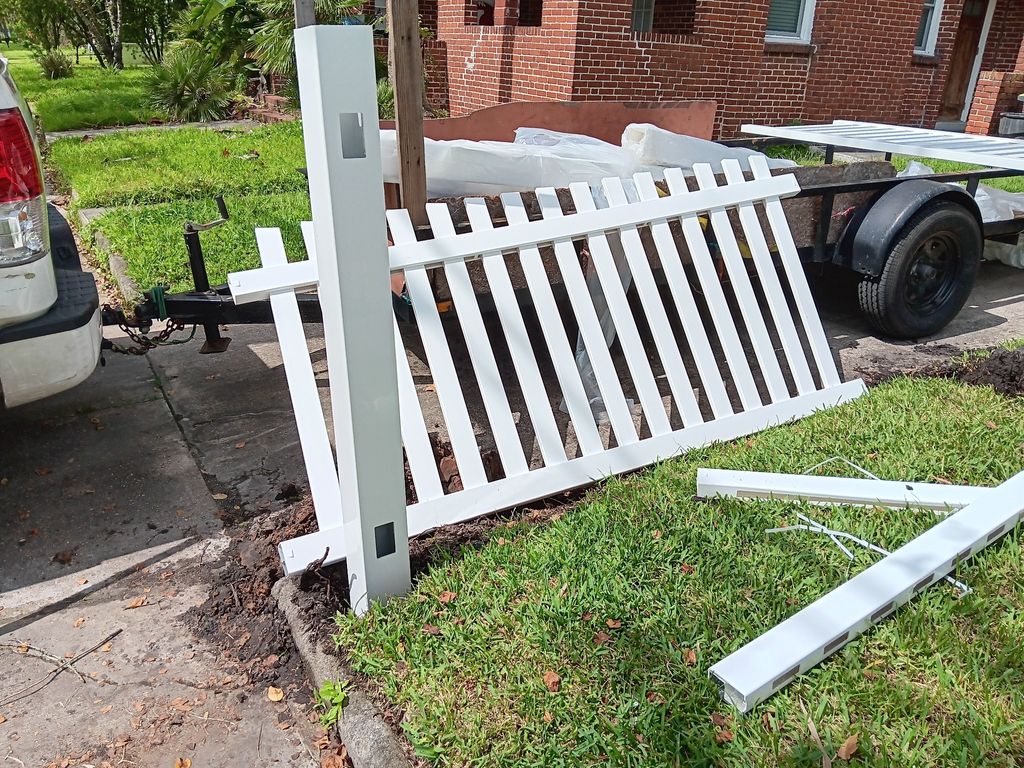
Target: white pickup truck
{"x": 50, "y": 326}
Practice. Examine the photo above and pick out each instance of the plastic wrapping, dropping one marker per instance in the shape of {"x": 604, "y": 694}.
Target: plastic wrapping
{"x": 995, "y": 205}
{"x": 655, "y": 147}
{"x": 461, "y": 167}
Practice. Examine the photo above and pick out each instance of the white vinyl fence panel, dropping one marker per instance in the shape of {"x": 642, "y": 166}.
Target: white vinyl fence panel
{"x": 678, "y": 375}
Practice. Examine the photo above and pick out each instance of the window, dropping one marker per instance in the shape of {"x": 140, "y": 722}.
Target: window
{"x": 643, "y": 15}
{"x": 531, "y": 12}
{"x": 664, "y": 17}
{"x": 790, "y": 20}
{"x": 928, "y": 29}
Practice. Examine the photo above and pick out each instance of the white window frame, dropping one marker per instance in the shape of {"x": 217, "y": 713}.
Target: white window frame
{"x": 806, "y": 27}
{"x": 933, "y": 29}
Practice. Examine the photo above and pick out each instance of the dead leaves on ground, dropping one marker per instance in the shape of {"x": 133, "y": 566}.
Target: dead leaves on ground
{"x": 138, "y": 602}
{"x": 552, "y": 681}
{"x": 848, "y": 747}
{"x": 722, "y": 723}
{"x": 183, "y": 762}
{"x": 275, "y": 694}
{"x": 447, "y": 597}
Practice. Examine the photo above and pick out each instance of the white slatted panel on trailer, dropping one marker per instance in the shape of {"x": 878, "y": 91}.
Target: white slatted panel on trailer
{"x": 901, "y": 140}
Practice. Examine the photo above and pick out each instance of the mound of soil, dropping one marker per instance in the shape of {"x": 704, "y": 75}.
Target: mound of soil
{"x": 240, "y": 615}
{"x": 1003, "y": 370}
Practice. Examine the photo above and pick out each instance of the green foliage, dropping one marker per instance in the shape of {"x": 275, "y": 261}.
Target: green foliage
{"x": 330, "y": 701}
{"x": 93, "y": 98}
{"x": 191, "y": 86}
{"x": 385, "y": 99}
{"x": 223, "y": 29}
{"x": 273, "y": 45}
{"x": 685, "y": 582}
{"x": 148, "y": 237}
{"x": 160, "y": 166}
{"x": 56, "y": 64}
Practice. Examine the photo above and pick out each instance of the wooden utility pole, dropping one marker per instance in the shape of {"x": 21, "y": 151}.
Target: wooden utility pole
{"x": 406, "y": 67}
{"x": 305, "y": 15}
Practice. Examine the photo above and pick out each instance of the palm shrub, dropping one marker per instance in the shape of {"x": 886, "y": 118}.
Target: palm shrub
{"x": 192, "y": 86}
{"x": 56, "y": 64}
{"x": 385, "y": 99}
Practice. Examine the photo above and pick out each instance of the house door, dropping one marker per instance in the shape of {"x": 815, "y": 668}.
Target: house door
{"x": 961, "y": 63}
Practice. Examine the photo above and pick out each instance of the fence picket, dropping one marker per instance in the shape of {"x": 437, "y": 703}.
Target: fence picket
{"x": 535, "y": 395}
{"x": 481, "y": 355}
{"x": 654, "y": 309}
{"x": 809, "y": 318}
{"x": 590, "y": 327}
{"x": 622, "y": 317}
{"x": 298, "y": 369}
{"x": 561, "y": 354}
{"x": 750, "y": 311}
{"x": 718, "y": 307}
{"x": 776, "y": 299}
{"x": 439, "y": 358}
{"x": 415, "y": 440}
{"x": 686, "y": 307}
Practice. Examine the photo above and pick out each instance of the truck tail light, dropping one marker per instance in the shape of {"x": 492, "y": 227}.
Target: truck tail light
{"x": 24, "y": 231}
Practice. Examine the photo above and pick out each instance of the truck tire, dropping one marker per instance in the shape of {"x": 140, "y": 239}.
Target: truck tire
{"x": 929, "y": 273}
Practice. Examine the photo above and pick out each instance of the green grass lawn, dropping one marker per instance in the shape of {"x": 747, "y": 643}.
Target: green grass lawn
{"x": 189, "y": 163}
{"x": 93, "y": 98}
{"x": 149, "y": 237}
{"x": 633, "y": 593}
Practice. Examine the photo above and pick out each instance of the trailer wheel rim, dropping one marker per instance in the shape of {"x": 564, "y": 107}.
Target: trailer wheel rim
{"x": 932, "y": 273}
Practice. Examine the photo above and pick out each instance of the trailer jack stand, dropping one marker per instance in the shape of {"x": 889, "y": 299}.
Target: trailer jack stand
{"x": 214, "y": 341}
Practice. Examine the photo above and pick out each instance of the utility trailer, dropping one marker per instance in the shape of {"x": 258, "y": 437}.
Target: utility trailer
{"x": 915, "y": 243}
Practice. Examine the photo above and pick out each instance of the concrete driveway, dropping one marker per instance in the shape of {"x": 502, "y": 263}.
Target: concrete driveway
{"x": 116, "y": 492}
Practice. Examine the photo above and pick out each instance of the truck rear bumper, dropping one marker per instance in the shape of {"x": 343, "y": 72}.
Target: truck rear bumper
{"x": 56, "y": 351}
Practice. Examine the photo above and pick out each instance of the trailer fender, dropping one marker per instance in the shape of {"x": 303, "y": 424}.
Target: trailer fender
{"x": 868, "y": 240}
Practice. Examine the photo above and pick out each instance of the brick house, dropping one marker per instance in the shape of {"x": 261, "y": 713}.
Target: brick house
{"x": 916, "y": 62}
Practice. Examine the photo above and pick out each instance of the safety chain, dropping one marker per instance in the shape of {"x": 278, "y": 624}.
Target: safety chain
{"x": 146, "y": 343}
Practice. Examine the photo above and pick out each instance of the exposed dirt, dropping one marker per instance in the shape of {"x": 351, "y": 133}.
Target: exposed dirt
{"x": 1003, "y": 370}
{"x": 240, "y": 614}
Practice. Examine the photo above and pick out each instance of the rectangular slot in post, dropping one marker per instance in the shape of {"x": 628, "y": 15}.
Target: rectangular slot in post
{"x": 384, "y": 538}
{"x": 353, "y": 142}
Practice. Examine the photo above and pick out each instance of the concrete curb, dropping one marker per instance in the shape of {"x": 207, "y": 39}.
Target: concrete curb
{"x": 370, "y": 741}
{"x": 216, "y": 125}
{"x": 126, "y": 286}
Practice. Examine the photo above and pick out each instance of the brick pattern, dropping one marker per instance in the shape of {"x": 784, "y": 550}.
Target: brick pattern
{"x": 860, "y": 64}
{"x": 1003, "y": 52}
{"x": 996, "y": 93}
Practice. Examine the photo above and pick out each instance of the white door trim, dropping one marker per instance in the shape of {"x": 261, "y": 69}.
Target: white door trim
{"x": 976, "y": 73}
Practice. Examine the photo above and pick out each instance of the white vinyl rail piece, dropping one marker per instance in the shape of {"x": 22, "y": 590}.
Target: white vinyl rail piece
{"x": 473, "y": 360}
{"x": 831, "y": 491}
{"x": 901, "y": 140}
{"x": 771, "y": 661}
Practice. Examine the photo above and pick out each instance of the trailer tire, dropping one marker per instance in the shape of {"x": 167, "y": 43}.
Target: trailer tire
{"x": 928, "y": 275}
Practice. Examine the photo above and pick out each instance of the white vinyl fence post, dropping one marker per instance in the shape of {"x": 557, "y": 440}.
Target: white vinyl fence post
{"x": 342, "y": 137}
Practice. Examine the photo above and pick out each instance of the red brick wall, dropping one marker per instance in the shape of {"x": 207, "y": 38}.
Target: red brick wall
{"x": 861, "y": 64}
{"x": 498, "y": 64}
{"x": 1003, "y": 50}
{"x": 435, "y": 66}
{"x": 996, "y": 93}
